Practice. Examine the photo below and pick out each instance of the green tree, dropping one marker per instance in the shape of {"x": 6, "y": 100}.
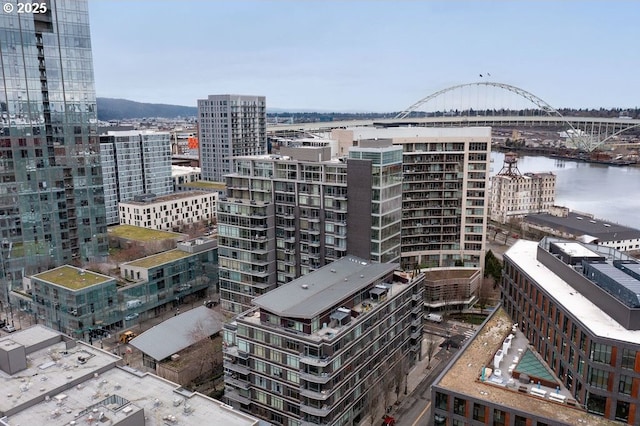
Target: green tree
{"x": 492, "y": 267}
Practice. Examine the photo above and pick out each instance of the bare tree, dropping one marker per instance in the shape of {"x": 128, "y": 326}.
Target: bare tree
{"x": 207, "y": 350}
{"x": 430, "y": 348}
{"x": 399, "y": 374}
{"x": 373, "y": 398}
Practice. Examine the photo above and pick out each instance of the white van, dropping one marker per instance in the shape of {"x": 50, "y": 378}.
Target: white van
{"x": 434, "y": 317}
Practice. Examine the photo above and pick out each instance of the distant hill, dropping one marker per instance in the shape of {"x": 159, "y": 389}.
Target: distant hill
{"x": 118, "y": 109}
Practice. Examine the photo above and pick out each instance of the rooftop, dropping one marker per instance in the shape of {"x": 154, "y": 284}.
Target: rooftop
{"x": 465, "y": 376}
{"x": 524, "y": 254}
{"x": 420, "y": 132}
{"x": 435, "y": 274}
{"x": 72, "y": 278}
{"x": 179, "y": 332}
{"x": 203, "y": 184}
{"x": 578, "y": 225}
{"x": 138, "y": 233}
{"x": 312, "y": 294}
{"x": 165, "y": 198}
{"x": 158, "y": 259}
{"x": 67, "y": 381}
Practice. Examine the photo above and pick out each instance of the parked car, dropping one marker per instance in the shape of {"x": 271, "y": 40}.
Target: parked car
{"x": 9, "y": 328}
{"x": 131, "y": 316}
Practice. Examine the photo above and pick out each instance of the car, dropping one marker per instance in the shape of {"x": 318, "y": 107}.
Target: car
{"x": 131, "y": 317}
{"x": 9, "y": 328}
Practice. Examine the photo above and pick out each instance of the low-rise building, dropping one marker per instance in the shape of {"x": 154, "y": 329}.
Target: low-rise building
{"x": 562, "y": 222}
{"x": 76, "y": 301}
{"x": 449, "y": 289}
{"x": 327, "y": 348}
{"x": 184, "y": 347}
{"x": 184, "y": 174}
{"x": 48, "y": 378}
{"x": 169, "y": 212}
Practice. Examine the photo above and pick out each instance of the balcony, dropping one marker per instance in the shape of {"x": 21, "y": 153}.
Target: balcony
{"x": 230, "y": 393}
{"x": 236, "y": 382}
{"x": 238, "y": 368}
{"x": 322, "y": 379}
{"x": 322, "y": 395}
{"x": 320, "y": 412}
{"x": 318, "y": 362}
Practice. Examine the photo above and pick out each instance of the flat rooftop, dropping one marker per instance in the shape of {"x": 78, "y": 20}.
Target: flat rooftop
{"x": 420, "y": 132}
{"x": 139, "y": 233}
{"x": 314, "y": 293}
{"x": 72, "y": 278}
{"x": 81, "y": 382}
{"x": 159, "y": 259}
{"x": 524, "y": 254}
{"x": 436, "y": 274}
{"x": 165, "y": 198}
{"x": 578, "y": 225}
{"x": 203, "y": 184}
{"x": 575, "y": 249}
{"x": 465, "y": 376}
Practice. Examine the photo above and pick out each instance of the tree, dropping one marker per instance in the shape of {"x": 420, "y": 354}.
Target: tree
{"x": 430, "y": 348}
{"x": 492, "y": 267}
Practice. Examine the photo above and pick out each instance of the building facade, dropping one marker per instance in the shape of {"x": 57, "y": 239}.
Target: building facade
{"x": 451, "y": 289}
{"x": 287, "y": 215}
{"x": 515, "y": 195}
{"x": 578, "y": 306}
{"x": 169, "y": 212}
{"x": 230, "y": 126}
{"x": 75, "y": 301}
{"x": 444, "y": 187}
{"x": 134, "y": 163}
{"x": 323, "y": 349}
{"x": 51, "y": 202}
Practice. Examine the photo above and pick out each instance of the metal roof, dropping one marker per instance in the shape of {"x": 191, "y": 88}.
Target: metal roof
{"x": 584, "y": 225}
{"x": 312, "y": 294}
{"x": 178, "y": 333}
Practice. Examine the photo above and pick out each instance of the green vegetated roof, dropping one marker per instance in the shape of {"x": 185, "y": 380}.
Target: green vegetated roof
{"x": 72, "y": 278}
{"x": 159, "y": 259}
{"x": 138, "y": 233}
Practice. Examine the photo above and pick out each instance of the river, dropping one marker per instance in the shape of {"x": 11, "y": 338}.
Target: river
{"x": 608, "y": 192}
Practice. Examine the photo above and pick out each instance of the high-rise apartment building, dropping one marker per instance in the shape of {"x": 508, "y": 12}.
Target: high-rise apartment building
{"x": 325, "y": 348}
{"x": 444, "y": 187}
{"x": 287, "y": 215}
{"x": 51, "y": 198}
{"x": 134, "y": 163}
{"x": 230, "y": 126}
{"x": 515, "y": 195}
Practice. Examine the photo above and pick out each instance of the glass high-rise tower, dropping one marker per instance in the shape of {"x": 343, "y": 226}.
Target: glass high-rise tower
{"x": 51, "y": 198}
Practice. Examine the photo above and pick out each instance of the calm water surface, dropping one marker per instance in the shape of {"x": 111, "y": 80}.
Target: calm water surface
{"x": 610, "y": 193}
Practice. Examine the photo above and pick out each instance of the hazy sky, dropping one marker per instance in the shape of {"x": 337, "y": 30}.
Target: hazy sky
{"x": 365, "y": 55}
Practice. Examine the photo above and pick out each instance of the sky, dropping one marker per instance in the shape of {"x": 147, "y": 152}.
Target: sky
{"x": 365, "y": 55}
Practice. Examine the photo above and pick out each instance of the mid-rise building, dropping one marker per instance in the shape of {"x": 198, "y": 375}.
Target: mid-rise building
{"x": 324, "y": 349}
{"x": 51, "y": 379}
{"x": 51, "y": 198}
{"x": 287, "y": 215}
{"x": 578, "y": 306}
{"x": 230, "y": 126}
{"x": 515, "y": 195}
{"x": 451, "y": 289}
{"x": 169, "y": 212}
{"x": 184, "y": 174}
{"x": 134, "y": 163}
{"x": 444, "y": 187}
{"x": 75, "y": 301}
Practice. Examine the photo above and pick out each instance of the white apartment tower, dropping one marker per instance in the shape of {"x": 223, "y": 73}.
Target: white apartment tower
{"x": 516, "y": 195}
{"x": 230, "y": 126}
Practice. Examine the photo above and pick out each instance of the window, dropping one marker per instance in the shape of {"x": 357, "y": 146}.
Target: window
{"x": 600, "y": 353}
{"x": 520, "y": 421}
{"x": 628, "y": 358}
{"x": 598, "y": 378}
{"x": 459, "y": 406}
{"x": 596, "y": 403}
{"x": 622, "y": 411}
{"x": 499, "y": 417}
{"x": 478, "y": 412}
{"x": 442, "y": 400}
{"x": 624, "y": 385}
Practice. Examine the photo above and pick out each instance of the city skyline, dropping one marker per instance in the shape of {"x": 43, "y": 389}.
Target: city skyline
{"x": 363, "y": 55}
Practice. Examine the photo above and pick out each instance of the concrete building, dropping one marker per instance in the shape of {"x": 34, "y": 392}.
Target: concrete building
{"x": 75, "y": 301}
{"x": 184, "y": 174}
{"x": 169, "y": 212}
{"x": 451, "y": 289}
{"x": 515, "y": 195}
{"x": 324, "y": 349}
{"x": 50, "y": 379}
{"x": 562, "y": 222}
{"x": 51, "y": 198}
{"x": 578, "y": 306}
{"x": 445, "y": 180}
{"x": 134, "y": 162}
{"x": 287, "y": 215}
{"x": 230, "y": 126}
{"x": 497, "y": 379}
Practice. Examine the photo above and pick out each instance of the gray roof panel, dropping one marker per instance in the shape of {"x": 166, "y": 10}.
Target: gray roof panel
{"x": 603, "y": 230}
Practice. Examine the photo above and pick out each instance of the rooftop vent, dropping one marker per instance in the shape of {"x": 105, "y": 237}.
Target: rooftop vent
{"x": 304, "y": 286}
{"x": 333, "y": 270}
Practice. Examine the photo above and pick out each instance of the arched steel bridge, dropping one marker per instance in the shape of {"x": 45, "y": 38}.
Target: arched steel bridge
{"x": 585, "y": 133}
